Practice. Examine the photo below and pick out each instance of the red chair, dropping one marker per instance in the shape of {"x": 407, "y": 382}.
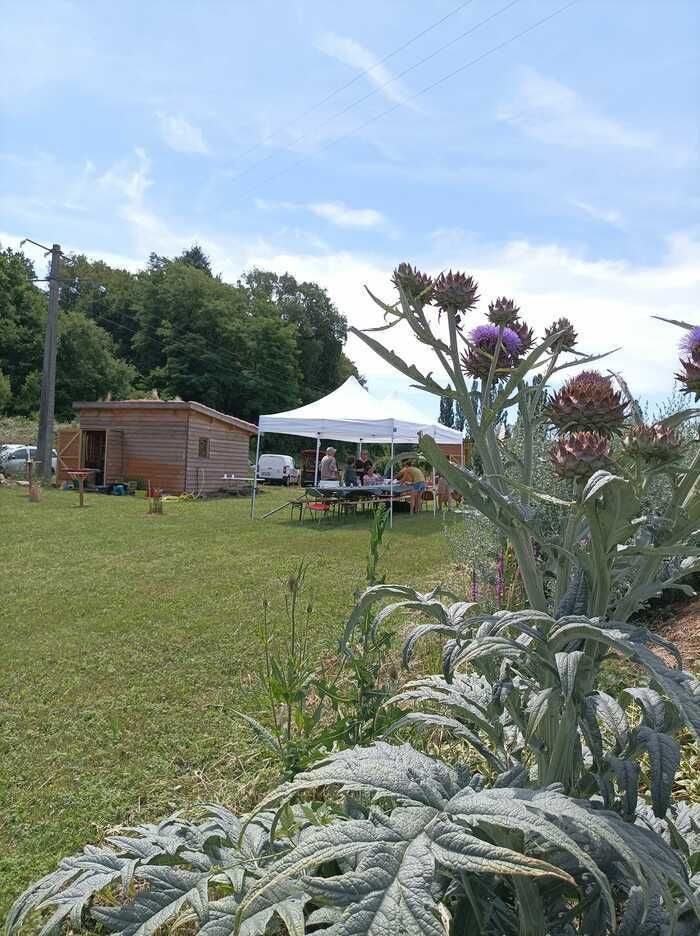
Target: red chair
{"x": 319, "y": 508}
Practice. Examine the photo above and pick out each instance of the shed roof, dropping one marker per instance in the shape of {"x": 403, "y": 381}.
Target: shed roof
{"x": 165, "y": 406}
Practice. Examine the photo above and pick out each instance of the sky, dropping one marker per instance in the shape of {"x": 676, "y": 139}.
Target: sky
{"x": 550, "y": 150}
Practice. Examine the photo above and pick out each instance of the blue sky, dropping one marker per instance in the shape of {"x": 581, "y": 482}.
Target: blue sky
{"x": 561, "y": 168}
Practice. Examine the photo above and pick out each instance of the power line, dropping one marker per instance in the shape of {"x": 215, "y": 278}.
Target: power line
{"x": 360, "y": 75}
{"x": 370, "y": 94}
{"x": 425, "y": 90}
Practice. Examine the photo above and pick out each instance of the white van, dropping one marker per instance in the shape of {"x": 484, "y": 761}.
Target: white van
{"x": 278, "y": 469}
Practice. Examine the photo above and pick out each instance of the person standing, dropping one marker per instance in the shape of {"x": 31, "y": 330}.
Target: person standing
{"x": 362, "y": 464}
{"x": 329, "y": 466}
{"x": 350, "y": 474}
{"x": 413, "y": 476}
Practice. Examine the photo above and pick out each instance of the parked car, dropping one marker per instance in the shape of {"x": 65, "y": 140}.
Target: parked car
{"x": 278, "y": 469}
{"x": 13, "y": 459}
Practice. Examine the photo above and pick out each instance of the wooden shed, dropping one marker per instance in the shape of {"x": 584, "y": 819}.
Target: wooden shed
{"x": 177, "y": 446}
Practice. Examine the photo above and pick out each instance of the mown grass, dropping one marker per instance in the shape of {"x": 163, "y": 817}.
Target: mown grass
{"x": 129, "y": 640}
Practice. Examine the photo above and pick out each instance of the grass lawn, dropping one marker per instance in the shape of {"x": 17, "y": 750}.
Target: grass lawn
{"x": 128, "y": 640}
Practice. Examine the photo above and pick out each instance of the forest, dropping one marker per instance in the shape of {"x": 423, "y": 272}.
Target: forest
{"x": 175, "y": 328}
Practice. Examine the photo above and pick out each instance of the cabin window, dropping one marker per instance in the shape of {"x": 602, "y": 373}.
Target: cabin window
{"x": 204, "y": 448}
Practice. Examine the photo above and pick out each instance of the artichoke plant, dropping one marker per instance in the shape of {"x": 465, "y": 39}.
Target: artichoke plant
{"x": 581, "y": 454}
{"x": 587, "y": 402}
{"x": 549, "y": 808}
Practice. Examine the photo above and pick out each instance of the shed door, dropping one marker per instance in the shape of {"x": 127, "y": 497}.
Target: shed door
{"x": 114, "y": 456}
{"x": 68, "y": 453}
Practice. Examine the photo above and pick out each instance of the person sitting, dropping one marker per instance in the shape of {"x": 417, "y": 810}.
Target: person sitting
{"x": 350, "y": 475}
{"x": 413, "y": 476}
{"x": 370, "y": 476}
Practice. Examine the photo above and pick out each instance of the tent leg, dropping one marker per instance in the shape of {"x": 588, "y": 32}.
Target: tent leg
{"x": 255, "y": 477}
{"x": 434, "y": 495}
{"x": 391, "y": 479}
{"x": 318, "y": 449}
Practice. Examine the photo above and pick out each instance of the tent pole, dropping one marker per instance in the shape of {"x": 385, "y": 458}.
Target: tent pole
{"x": 255, "y": 476}
{"x": 318, "y": 448}
{"x": 391, "y": 481}
{"x": 434, "y": 494}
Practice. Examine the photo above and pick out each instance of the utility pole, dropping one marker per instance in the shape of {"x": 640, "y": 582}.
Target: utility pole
{"x": 48, "y": 376}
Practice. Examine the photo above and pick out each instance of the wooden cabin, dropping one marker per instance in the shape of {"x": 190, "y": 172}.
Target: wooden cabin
{"x": 176, "y": 446}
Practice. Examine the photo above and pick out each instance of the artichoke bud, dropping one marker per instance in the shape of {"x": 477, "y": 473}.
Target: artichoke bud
{"x": 416, "y": 285}
{"x": 587, "y": 402}
{"x": 654, "y": 444}
{"x": 455, "y": 291}
{"x": 580, "y": 455}
{"x": 565, "y": 341}
{"x": 503, "y": 312}
{"x": 690, "y": 376}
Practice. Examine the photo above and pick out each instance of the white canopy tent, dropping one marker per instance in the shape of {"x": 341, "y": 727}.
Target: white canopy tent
{"x": 351, "y": 414}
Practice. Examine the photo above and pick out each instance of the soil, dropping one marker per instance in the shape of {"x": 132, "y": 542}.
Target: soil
{"x": 682, "y": 626}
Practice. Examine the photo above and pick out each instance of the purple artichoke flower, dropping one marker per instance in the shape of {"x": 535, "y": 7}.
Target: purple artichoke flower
{"x": 483, "y": 342}
{"x": 691, "y": 344}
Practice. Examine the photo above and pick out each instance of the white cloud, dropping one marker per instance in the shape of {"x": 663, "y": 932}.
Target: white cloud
{"x": 550, "y": 111}
{"x": 181, "y": 135}
{"x": 343, "y": 216}
{"x": 606, "y": 215}
{"x": 336, "y": 213}
{"x": 357, "y": 56}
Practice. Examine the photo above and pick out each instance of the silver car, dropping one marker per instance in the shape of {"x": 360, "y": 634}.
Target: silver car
{"x": 13, "y": 459}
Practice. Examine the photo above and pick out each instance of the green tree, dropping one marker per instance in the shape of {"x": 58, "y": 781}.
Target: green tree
{"x": 22, "y": 317}
{"x": 5, "y": 393}
{"x": 320, "y": 328}
{"x": 107, "y": 295}
{"x": 87, "y": 365}
{"x": 447, "y": 415}
{"x": 195, "y": 256}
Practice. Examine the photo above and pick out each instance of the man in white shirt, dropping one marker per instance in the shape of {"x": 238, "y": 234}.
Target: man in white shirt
{"x": 329, "y": 466}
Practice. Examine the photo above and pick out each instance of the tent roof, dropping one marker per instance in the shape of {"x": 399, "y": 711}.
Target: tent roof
{"x": 351, "y": 414}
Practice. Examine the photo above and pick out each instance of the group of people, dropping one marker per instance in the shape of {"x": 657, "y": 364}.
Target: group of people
{"x": 360, "y": 471}
{"x": 357, "y": 471}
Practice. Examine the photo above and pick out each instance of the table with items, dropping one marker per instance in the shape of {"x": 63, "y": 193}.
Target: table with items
{"x": 342, "y": 500}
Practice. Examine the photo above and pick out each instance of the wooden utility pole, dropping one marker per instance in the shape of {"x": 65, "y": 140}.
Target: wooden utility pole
{"x": 48, "y": 376}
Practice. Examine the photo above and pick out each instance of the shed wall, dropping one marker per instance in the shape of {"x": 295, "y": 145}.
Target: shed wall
{"x": 153, "y": 445}
{"x": 228, "y": 454}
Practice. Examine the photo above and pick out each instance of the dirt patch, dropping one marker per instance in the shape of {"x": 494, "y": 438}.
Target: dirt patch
{"x": 684, "y": 630}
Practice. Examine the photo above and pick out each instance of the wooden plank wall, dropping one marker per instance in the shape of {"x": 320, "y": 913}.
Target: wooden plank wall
{"x": 68, "y": 449}
{"x": 228, "y": 454}
{"x": 154, "y": 445}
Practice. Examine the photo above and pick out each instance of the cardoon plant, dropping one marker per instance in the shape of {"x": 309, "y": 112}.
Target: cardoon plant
{"x": 550, "y": 812}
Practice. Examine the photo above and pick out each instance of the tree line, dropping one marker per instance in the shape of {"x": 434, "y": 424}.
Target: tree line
{"x": 264, "y": 344}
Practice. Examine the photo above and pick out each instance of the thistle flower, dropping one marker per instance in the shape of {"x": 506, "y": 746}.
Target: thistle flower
{"x": 690, "y": 378}
{"x": 503, "y": 312}
{"x": 483, "y": 342}
{"x": 587, "y": 402}
{"x": 415, "y": 284}
{"x": 654, "y": 444}
{"x": 581, "y": 454}
{"x": 567, "y": 340}
{"x": 691, "y": 344}
{"x": 455, "y": 291}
